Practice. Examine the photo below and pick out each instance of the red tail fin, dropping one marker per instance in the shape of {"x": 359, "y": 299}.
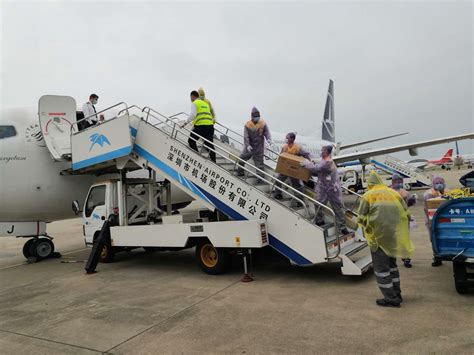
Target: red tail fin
{"x": 448, "y": 155}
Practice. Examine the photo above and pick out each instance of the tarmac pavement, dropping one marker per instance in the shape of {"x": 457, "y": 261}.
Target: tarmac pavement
{"x": 161, "y": 302}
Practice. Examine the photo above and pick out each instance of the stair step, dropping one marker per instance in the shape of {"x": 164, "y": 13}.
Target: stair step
{"x": 353, "y": 248}
{"x": 342, "y": 239}
{"x": 364, "y": 263}
{"x": 224, "y": 163}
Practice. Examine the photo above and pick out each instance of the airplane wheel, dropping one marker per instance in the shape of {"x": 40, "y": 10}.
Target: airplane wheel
{"x": 27, "y": 248}
{"x": 42, "y": 248}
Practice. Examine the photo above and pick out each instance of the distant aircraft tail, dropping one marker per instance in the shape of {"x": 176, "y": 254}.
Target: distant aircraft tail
{"x": 329, "y": 127}
{"x": 448, "y": 155}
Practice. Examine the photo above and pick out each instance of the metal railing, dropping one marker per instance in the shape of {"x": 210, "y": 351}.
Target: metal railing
{"x": 240, "y": 135}
{"x": 400, "y": 163}
{"x": 259, "y": 174}
{"x": 73, "y": 130}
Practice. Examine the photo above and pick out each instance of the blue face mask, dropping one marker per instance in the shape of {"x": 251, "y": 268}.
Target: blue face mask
{"x": 255, "y": 119}
{"x": 398, "y": 186}
{"x": 439, "y": 187}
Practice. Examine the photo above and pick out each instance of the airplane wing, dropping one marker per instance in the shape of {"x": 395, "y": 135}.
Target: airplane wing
{"x": 412, "y": 147}
{"x": 346, "y": 146}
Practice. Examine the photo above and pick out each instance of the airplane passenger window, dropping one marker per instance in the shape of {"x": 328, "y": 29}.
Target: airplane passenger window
{"x": 7, "y": 131}
{"x": 96, "y": 198}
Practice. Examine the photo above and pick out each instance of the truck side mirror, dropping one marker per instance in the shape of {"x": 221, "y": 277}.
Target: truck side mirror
{"x": 75, "y": 207}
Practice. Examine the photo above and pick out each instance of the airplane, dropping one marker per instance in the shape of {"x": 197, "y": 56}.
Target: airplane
{"x": 444, "y": 162}
{"x": 34, "y": 189}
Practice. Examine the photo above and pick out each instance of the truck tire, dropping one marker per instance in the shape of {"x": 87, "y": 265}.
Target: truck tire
{"x": 107, "y": 254}
{"x": 212, "y": 260}
{"x": 460, "y": 277}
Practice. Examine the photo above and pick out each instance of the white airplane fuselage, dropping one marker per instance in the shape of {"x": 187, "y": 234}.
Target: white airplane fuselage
{"x": 31, "y": 185}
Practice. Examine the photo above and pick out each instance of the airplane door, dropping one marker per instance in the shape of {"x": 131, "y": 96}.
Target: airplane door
{"x": 56, "y": 116}
{"x": 95, "y": 211}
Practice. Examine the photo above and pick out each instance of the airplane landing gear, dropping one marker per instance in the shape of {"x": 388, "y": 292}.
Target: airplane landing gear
{"x": 38, "y": 248}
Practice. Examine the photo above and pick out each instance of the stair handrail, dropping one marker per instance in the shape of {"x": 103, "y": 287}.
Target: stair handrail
{"x": 267, "y": 147}
{"x": 73, "y": 131}
{"x": 237, "y": 158}
{"x": 128, "y": 109}
{"x": 403, "y": 163}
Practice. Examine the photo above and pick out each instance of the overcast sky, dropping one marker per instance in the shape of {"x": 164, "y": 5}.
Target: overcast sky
{"x": 397, "y": 66}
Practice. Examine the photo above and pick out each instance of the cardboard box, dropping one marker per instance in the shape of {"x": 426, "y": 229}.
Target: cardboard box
{"x": 434, "y": 203}
{"x": 289, "y": 165}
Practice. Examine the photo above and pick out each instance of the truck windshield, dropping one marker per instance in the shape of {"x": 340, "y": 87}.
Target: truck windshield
{"x": 96, "y": 198}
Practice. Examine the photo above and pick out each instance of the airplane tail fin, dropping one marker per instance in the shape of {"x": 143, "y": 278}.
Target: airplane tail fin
{"x": 448, "y": 155}
{"x": 329, "y": 127}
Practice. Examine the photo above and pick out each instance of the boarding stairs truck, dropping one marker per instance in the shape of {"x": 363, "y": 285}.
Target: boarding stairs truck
{"x": 145, "y": 139}
{"x": 412, "y": 176}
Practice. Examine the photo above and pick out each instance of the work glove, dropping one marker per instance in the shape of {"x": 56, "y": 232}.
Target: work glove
{"x": 249, "y": 149}
{"x": 304, "y": 163}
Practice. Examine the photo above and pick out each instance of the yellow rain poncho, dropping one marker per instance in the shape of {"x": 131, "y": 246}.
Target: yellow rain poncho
{"x": 385, "y": 219}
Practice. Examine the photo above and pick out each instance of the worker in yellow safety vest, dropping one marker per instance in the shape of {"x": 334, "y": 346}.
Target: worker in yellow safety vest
{"x": 202, "y": 96}
{"x": 203, "y": 124}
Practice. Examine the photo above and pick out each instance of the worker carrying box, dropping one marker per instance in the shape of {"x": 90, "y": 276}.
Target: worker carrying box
{"x": 288, "y": 166}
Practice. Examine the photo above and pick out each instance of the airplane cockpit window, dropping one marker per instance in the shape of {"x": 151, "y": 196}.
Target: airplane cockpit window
{"x": 7, "y": 132}
{"x": 96, "y": 198}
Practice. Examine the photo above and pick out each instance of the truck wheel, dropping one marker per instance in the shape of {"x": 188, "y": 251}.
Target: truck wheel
{"x": 27, "y": 248}
{"x": 212, "y": 260}
{"x": 460, "y": 277}
{"x": 107, "y": 254}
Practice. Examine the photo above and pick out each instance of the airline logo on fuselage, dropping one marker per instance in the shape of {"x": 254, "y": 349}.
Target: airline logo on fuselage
{"x": 99, "y": 139}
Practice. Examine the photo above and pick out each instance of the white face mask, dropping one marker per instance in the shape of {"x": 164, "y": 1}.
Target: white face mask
{"x": 94, "y": 102}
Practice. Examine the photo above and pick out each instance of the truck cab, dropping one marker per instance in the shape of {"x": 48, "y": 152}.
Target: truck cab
{"x": 351, "y": 180}
{"x": 103, "y": 202}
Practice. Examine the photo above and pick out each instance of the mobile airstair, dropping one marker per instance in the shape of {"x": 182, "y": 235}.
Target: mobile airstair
{"x": 391, "y": 165}
{"x": 144, "y": 138}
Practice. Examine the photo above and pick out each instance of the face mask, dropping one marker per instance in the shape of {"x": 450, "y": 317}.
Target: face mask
{"x": 94, "y": 102}
{"x": 439, "y": 187}
{"x": 398, "y": 186}
{"x": 287, "y": 141}
{"x": 255, "y": 119}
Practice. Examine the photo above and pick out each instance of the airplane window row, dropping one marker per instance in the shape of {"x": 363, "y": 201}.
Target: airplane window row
{"x": 7, "y": 131}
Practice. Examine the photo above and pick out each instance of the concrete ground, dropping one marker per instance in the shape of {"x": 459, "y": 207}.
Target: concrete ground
{"x": 150, "y": 303}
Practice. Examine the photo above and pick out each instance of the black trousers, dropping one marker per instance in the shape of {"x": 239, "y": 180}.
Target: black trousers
{"x": 206, "y": 132}
{"x": 387, "y": 275}
{"x": 84, "y": 125}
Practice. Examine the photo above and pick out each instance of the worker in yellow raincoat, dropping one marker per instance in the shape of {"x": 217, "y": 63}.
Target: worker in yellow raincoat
{"x": 384, "y": 216}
